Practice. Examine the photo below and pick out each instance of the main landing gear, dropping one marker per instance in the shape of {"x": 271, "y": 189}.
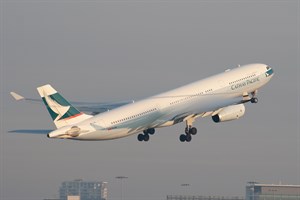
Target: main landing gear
{"x": 145, "y": 137}
{"x": 189, "y": 131}
{"x": 187, "y": 137}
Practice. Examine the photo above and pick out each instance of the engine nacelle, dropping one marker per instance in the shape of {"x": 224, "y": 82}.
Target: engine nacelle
{"x": 229, "y": 113}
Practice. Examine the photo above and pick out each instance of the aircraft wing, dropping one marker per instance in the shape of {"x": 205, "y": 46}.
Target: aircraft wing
{"x": 96, "y": 108}
{"x": 89, "y": 107}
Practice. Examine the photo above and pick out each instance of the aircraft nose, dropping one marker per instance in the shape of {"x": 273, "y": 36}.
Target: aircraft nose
{"x": 269, "y": 71}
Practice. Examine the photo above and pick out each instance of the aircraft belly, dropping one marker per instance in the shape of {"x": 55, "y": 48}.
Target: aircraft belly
{"x": 122, "y": 130}
{"x": 104, "y": 135}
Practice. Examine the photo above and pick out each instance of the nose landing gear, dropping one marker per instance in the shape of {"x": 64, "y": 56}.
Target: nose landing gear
{"x": 254, "y": 99}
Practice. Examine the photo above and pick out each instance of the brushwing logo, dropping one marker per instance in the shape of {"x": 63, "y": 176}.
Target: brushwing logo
{"x": 56, "y": 110}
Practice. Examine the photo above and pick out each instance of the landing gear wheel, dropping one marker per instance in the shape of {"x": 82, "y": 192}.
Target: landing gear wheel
{"x": 254, "y": 100}
{"x": 146, "y": 137}
{"x": 182, "y": 138}
{"x": 189, "y": 130}
{"x": 188, "y": 138}
{"x": 140, "y": 137}
{"x": 151, "y": 131}
{"x": 193, "y": 131}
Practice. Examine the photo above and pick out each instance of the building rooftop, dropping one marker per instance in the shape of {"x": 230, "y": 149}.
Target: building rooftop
{"x": 271, "y": 185}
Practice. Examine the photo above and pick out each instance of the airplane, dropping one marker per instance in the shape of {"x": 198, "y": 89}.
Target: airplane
{"x": 221, "y": 96}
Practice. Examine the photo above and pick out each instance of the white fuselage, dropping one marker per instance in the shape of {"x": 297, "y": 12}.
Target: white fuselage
{"x": 169, "y": 108}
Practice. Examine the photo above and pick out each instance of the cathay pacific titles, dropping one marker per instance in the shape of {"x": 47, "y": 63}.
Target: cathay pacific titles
{"x": 248, "y": 82}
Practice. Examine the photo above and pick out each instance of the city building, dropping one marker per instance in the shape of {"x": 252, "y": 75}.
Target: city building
{"x": 257, "y": 191}
{"x": 190, "y": 197}
{"x": 73, "y": 197}
{"x": 83, "y": 190}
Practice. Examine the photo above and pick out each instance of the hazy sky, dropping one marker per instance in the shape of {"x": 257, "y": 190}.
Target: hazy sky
{"x": 103, "y": 51}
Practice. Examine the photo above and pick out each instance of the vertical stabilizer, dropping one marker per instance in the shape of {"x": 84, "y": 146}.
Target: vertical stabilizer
{"x": 60, "y": 110}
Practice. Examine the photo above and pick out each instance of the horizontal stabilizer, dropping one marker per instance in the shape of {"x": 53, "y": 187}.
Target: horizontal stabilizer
{"x": 31, "y": 131}
{"x": 16, "y": 96}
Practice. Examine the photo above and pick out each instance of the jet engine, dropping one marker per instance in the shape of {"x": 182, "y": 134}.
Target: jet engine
{"x": 229, "y": 113}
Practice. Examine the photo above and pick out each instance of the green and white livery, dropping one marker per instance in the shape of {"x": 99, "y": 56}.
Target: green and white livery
{"x": 60, "y": 110}
{"x": 221, "y": 96}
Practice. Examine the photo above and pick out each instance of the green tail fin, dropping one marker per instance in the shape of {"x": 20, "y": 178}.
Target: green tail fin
{"x": 60, "y": 110}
